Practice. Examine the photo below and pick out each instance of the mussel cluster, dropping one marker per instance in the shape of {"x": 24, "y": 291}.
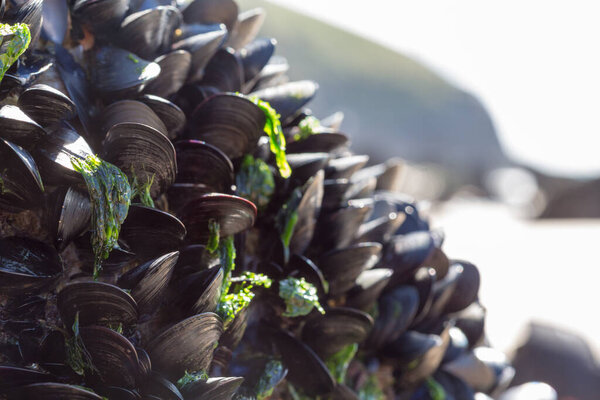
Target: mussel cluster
{"x": 239, "y": 272}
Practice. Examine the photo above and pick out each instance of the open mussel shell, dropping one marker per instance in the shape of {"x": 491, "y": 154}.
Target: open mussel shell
{"x": 417, "y": 355}
{"x": 169, "y": 113}
{"x": 100, "y": 16}
{"x": 46, "y": 105}
{"x": 19, "y": 128}
{"x": 148, "y": 33}
{"x": 329, "y": 333}
{"x": 337, "y": 229}
{"x": 306, "y": 165}
{"x": 319, "y": 142}
{"x": 200, "y": 291}
{"x": 53, "y": 391}
{"x": 15, "y": 376}
{"x": 224, "y": 71}
{"x": 194, "y": 338}
{"x": 97, "y": 304}
{"x": 130, "y": 111}
{"x": 149, "y": 281}
{"x": 345, "y": 167}
{"x": 255, "y": 56}
{"x": 27, "y": 265}
{"x": 116, "y": 73}
{"x": 368, "y": 286}
{"x": 308, "y": 211}
{"x": 211, "y": 12}
{"x": 342, "y": 267}
{"x": 288, "y": 98}
{"x": 150, "y": 232}
{"x": 144, "y": 151}
{"x": 21, "y": 183}
{"x": 222, "y": 388}
{"x": 157, "y": 385}
{"x": 202, "y": 47}
{"x": 174, "y": 70}
{"x": 247, "y": 27}
{"x": 233, "y": 214}
{"x": 396, "y": 311}
{"x": 55, "y": 151}
{"x": 114, "y": 357}
{"x": 380, "y": 229}
{"x": 203, "y": 164}
{"x": 299, "y": 358}
{"x": 229, "y": 122}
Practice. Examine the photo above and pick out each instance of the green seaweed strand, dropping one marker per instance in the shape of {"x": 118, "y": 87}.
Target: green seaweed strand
{"x": 276, "y": 138}
{"x": 214, "y": 236}
{"x": 142, "y": 190}
{"x": 15, "y": 40}
{"x": 255, "y": 181}
{"x": 339, "y": 362}
{"x": 110, "y": 196}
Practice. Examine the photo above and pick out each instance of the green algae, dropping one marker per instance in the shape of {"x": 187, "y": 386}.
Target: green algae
{"x": 15, "y": 40}
{"x": 338, "y": 363}
{"x": 300, "y": 297}
{"x": 141, "y": 190}
{"x": 255, "y": 181}
{"x": 110, "y": 196}
{"x": 308, "y": 126}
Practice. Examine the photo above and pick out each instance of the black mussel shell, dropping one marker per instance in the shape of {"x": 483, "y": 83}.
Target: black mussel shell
{"x": 443, "y": 290}
{"x": 329, "y": 333}
{"x": 467, "y": 288}
{"x": 70, "y": 214}
{"x": 417, "y": 355}
{"x": 203, "y": 164}
{"x": 20, "y": 181}
{"x": 471, "y": 321}
{"x": 171, "y": 115}
{"x": 144, "y": 151}
{"x": 202, "y": 47}
{"x": 396, "y": 311}
{"x": 193, "y": 338}
{"x": 247, "y": 27}
{"x": 19, "y": 128}
{"x": 179, "y": 194}
{"x": 254, "y": 58}
{"x": 343, "y": 392}
{"x": 273, "y": 74}
{"x": 150, "y": 232}
{"x": 53, "y": 391}
{"x": 368, "y": 286}
{"x": 149, "y": 281}
{"x": 319, "y": 142}
{"x": 454, "y": 386}
{"x": 288, "y": 98}
{"x": 299, "y": 358}
{"x": 305, "y": 165}
{"x": 308, "y": 211}
{"x": 333, "y": 121}
{"x": 27, "y": 265}
{"x": 11, "y": 377}
{"x": 233, "y": 214}
{"x": 337, "y": 229}
{"x": 335, "y": 193}
{"x": 235, "y": 330}
{"x": 211, "y": 12}
{"x": 102, "y": 17}
{"x": 380, "y": 229}
{"x": 97, "y": 304}
{"x": 116, "y": 73}
{"x": 345, "y": 167}
{"x": 405, "y": 253}
{"x": 130, "y": 111}
{"x": 200, "y": 291}
{"x": 174, "y": 70}
{"x": 423, "y": 280}
{"x": 114, "y": 357}
{"x": 224, "y": 71}
{"x": 55, "y": 20}
{"x": 117, "y": 393}
{"x": 157, "y": 385}
{"x": 46, "y": 105}
{"x": 459, "y": 344}
{"x": 54, "y": 155}
{"x": 438, "y": 261}
{"x": 302, "y": 267}
{"x": 342, "y": 267}
{"x": 229, "y": 122}
{"x": 148, "y": 33}
{"x": 213, "y": 388}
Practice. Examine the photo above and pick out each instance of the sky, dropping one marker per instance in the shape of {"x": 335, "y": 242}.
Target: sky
{"x": 534, "y": 64}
